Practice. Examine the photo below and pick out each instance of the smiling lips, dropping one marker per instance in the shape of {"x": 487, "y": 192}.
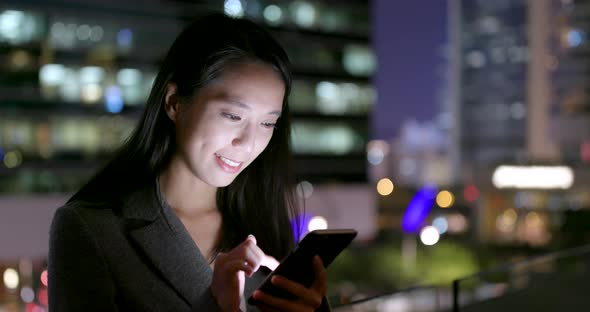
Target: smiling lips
{"x": 228, "y": 165}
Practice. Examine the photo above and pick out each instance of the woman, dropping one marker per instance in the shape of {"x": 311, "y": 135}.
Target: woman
{"x": 198, "y": 200}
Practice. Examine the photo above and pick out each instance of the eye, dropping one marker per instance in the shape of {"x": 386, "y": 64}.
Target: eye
{"x": 269, "y": 125}
{"x": 231, "y": 117}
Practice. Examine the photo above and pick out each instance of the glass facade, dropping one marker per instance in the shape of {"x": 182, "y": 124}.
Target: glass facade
{"x": 493, "y": 104}
{"x": 75, "y": 79}
{"x": 569, "y": 62}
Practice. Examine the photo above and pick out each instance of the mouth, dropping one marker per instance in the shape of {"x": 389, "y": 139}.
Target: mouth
{"x": 227, "y": 164}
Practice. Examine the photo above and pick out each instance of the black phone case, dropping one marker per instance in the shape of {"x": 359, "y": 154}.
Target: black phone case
{"x": 298, "y": 265}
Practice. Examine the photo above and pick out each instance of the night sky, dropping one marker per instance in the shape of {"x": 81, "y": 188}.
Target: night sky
{"x": 407, "y": 36}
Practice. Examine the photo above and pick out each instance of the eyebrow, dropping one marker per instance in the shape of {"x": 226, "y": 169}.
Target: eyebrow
{"x": 246, "y": 106}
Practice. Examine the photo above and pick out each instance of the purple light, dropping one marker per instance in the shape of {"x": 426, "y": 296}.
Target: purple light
{"x": 299, "y": 225}
{"x": 418, "y": 209}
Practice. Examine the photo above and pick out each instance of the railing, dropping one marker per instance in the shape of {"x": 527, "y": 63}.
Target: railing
{"x": 558, "y": 281}
{"x": 416, "y": 299}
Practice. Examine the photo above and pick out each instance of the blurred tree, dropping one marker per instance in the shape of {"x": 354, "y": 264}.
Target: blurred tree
{"x": 379, "y": 269}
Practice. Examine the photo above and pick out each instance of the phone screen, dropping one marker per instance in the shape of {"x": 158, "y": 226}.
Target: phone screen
{"x": 298, "y": 265}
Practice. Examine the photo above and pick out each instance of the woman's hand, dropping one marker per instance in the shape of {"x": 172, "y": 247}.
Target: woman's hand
{"x": 309, "y": 299}
{"x": 230, "y": 269}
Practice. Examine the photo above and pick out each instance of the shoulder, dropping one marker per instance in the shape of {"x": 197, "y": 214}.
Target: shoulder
{"x": 84, "y": 214}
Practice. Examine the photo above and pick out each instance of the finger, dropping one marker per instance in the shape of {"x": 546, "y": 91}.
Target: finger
{"x": 254, "y": 256}
{"x": 265, "y": 308}
{"x": 309, "y": 296}
{"x": 279, "y": 304}
{"x": 252, "y": 238}
{"x": 320, "y": 279}
{"x": 249, "y": 252}
{"x": 220, "y": 259}
{"x": 270, "y": 262}
{"x": 236, "y": 265}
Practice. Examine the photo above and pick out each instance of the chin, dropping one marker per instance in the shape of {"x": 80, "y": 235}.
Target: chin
{"x": 221, "y": 181}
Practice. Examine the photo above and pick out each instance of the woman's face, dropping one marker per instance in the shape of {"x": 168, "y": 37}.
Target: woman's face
{"x": 228, "y": 123}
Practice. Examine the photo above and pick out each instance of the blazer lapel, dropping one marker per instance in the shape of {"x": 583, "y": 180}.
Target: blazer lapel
{"x": 167, "y": 244}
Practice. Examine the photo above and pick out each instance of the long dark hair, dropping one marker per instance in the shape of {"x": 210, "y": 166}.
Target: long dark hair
{"x": 260, "y": 200}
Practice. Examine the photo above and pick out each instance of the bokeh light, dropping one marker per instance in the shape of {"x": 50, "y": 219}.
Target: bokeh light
{"x": 52, "y": 74}
{"x": 418, "y": 209}
{"x": 429, "y": 235}
{"x": 42, "y": 295}
{"x": 575, "y": 37}
{"x": 385, "y": 187}
{"x": 125, "y": 38}
{"x": 317, "y": 223}
{"x": 471, "y": 193}
{"x": 44, "y": 278}
{"x": 304, "y": 189}
{"x": 27, "y": 294}
{"x": 91, "y": 93}
{"x": 533, "y": 177}
{"x": 445, "y": 199}
{"x": 533, "y": 220}
{"x": 91, "y": 74}
{"x": 273, "y": 14}
{"x": 233, "y": 8}
{"x": 113, "y": 100}
{"x": 304, "y": 13}
{"x": 299, "y": 225}
{"x": 376, "y": 151}
{"x": 11, "y": 278}
{"x": 13, "y": 159}
{"x": 441, "y": 224}
{"x": 96, "y": 33}
{"x": 129, "y": 77}
{"x": 457, "y": 223}
{"x": 507, "y": 220}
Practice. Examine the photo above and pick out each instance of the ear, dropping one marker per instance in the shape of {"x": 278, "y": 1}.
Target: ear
{"x": 171, "y": 102}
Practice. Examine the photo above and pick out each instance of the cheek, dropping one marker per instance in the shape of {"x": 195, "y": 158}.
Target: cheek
{"x": 264, "y": 141}
{"x": 210, "y": 140}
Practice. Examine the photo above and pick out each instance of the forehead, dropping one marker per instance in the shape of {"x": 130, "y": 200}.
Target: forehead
{"x": 249, "y": 70}
{"x": 252, "y": 83}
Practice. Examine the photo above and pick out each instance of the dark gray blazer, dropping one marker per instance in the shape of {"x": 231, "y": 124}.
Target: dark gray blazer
{"x": 132, "y": 256}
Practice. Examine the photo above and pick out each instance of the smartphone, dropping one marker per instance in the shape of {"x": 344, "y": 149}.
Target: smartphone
{"x": 298, "y": 264}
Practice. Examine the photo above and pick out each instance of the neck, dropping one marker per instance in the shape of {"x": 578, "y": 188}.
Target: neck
{"x": 187, "y": 195}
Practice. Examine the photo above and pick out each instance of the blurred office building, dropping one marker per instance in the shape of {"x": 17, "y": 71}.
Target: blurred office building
{"x": 509, "y": 136}
{"x": 74, "y": 79}
{"x": 523, "y": 124}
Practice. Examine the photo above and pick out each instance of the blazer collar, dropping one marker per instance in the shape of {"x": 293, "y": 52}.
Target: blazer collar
{"x": 166, "y": 243}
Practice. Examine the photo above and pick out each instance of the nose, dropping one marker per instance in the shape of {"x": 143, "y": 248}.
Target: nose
{"x": 245, "y": 138}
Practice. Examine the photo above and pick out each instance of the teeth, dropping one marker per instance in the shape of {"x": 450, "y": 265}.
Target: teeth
{"x": 229, "y": 162}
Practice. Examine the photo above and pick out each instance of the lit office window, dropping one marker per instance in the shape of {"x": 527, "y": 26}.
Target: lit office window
{"x": 302, "y": 97}
{"x": 326, "y": 138}
{"x": 18, "y": 27}
{"x": 303, "y": 13}
{"x": 273, "y": 14}
{"x": 331, "y": 98}
{"x": 233, "y": 8}
{"x": 130, "y": 81}
{"x": 359, "y": 60}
